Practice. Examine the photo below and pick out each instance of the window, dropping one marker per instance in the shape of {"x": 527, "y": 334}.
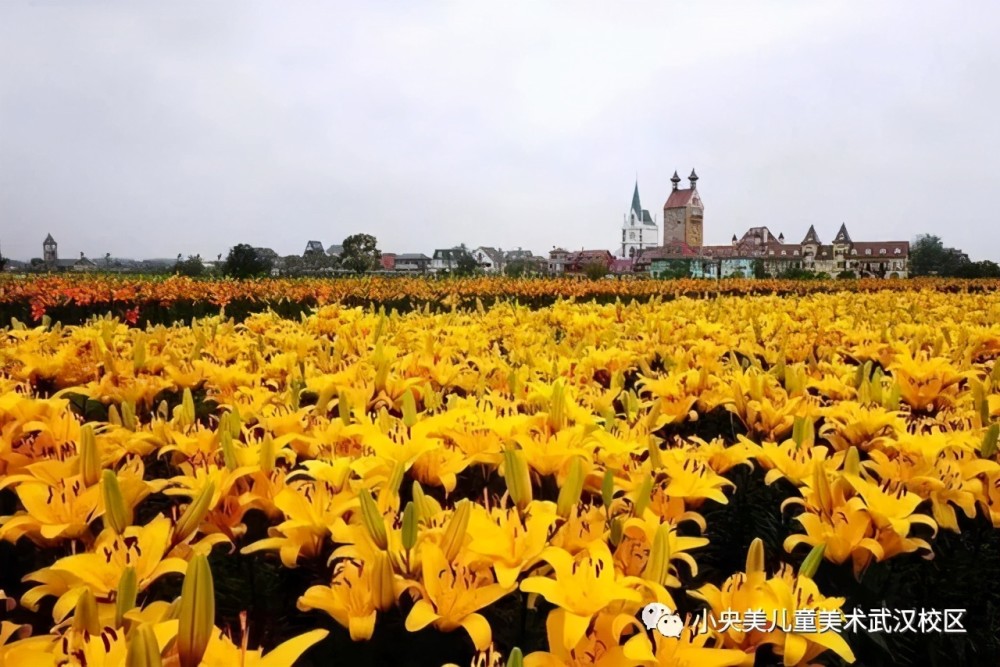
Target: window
{"x": 854, "y": 251}
{"x": 881, "y": 251}
{"x": 795, "y": 252}
{"x": 783, "y": 253}
{"x": 770, "y": 252}
{"x": 868, "y": 251}
{"x": 897, "y": 251}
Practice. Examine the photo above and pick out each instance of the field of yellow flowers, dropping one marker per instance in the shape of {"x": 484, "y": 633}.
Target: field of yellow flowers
{"x": 501, "y": 484}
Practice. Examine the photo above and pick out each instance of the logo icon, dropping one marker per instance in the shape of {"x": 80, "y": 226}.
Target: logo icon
{"x": 661, "y": 617}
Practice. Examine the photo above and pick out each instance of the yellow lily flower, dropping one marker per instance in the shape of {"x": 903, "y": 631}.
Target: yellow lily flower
{"x": 691, "y": 648}
{"x": 311, "y": 511}
{"x": 581, "y": 587}
{"x": 451, "y": 594}
{"x": 510, "y": 542}
{"x": 144, "y": 548}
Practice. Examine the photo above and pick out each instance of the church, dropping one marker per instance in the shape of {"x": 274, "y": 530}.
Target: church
{"x": 639, "y": 230}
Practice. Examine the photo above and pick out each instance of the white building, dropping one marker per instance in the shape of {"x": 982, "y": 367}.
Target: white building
{"x": 639, "y": 230}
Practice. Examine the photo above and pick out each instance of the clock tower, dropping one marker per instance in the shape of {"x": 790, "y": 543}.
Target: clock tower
{"x": 683, "y": 214}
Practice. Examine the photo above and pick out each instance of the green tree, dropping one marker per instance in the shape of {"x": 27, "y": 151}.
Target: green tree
{"x": 318, "y": 261}
{"x": 595, "y": 270}
{"x": 465, "y": 263}
{"x": 927, "y": 255}
{"x": 516, "y": 268}
{"x": 192, "y": 266}
{"x": 244, "y": 262}
{"x": 360, "y": 253}
{"x": 3, "y": 262}
{"x": 930, "y": 257}
{"x": 759, "y": 270}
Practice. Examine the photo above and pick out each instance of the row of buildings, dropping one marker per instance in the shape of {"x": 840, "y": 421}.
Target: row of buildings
{"x": 644, "y": 250}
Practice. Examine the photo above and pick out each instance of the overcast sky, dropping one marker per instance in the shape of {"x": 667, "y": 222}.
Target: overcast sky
{"x": 148, "y": 130}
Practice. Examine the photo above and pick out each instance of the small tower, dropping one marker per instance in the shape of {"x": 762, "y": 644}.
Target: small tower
{"x": 50, "y": 250}
{"x": 735, "y": 241}
{"x": 683, "y": 214}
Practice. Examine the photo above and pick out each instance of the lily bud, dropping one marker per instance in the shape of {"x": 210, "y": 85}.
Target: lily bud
{"x": 235, "y": 422}
{"x": 395, "y": 478}
{"x": 382, "y": 581}
{"x": 117, "y": 514}
{"x": 812, "y": 561}
{"x": 516, "y": 658}
{"x": 617, "y": 530}
{"x": 410, "y": 526}
{"x": 989, "y": 447}
{"x": 139, "y": 353}
{"x": 409, "y": 408}
{"x": 373, "y": 520}
{"x": 454, "y": 534}
{"x": 125, "y": 596}
{"x": 515, "y": 473}
{"x": 344, "y": 408}
{"x": 658, "y": 567}
{"x": 608, "y": 488}
{"x": 128, "y": 415}
{"x": 192, "y": 516}
{"x": 425, "y": 506}
{"x": 85, "y": 617}
{"x": 643, "y": 496}
{"x": 90, "y": 457}
{"x": 852, "y": 461}
{"x": 143, "y": 649}
{"x": 228, "y": 449}
{"x": 755, "y": 563}
{"x": 197, "y": 612}
{"x": 557, "y": 406}
{"x": 569, "y": 494}
{"x": 185, "y": 413}
{"x": 114, "y": 417}
{"x": 268, "y": 455}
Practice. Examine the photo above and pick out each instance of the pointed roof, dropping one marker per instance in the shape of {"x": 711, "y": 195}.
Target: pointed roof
{"x": 675, "y": 179}
{"x": 842, "y": 235}
{"x": 811, "y": 236}
{"x": 636, "y": 206}
{"x": 693, "y": 177}
{"x": 49, "y": 239}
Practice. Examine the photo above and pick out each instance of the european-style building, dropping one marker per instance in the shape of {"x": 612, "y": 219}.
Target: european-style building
{"x": 639, "y": 230}
{"x": 683, "y": 248}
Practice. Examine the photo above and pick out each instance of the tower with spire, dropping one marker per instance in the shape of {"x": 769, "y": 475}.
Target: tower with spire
{"x": 683, "y": 213}
{"x": 639, "y": 229}
{"x": 50, "y": 251}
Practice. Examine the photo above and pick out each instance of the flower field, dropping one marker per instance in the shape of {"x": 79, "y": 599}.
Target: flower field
{"x": 509, "y": 478}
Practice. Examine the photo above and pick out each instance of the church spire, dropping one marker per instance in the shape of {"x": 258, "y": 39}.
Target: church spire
{"x": 636, "y": 206}
{"x": 675, "y": 179}
{"x": 693, "y": 178}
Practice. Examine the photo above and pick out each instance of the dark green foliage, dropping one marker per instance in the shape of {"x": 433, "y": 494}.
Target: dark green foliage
{"x": 191, "y": 266}
{"x": 243, "y": 261}
{"x": 360, "y": 253}
{"x": 595, "y": 270}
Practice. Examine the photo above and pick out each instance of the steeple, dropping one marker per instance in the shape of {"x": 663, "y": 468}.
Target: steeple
{"x": 693, "y": 178}
{"x": 636, "y": 206}
{"x": 842, "y": 235}
{"x": 675, "y": 179}
{"x": 811, "y": 236}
